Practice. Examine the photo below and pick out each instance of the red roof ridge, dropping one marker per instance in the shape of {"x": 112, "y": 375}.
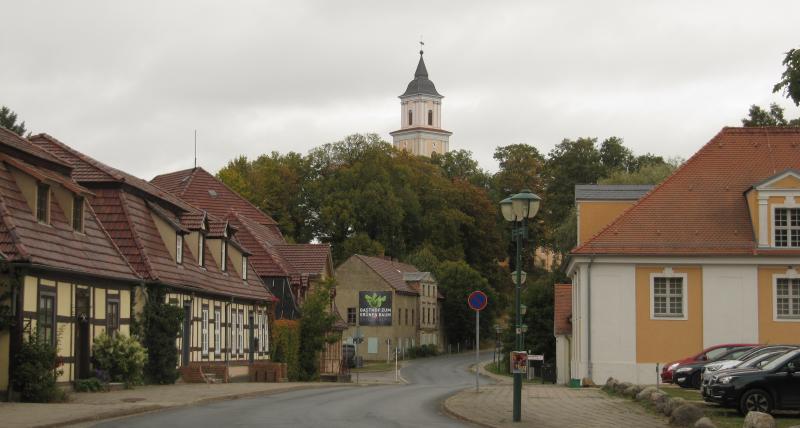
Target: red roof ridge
{"x": 135, "y": 236}
{"x": 693, "y": 158}
{"x": 91, "y": 161}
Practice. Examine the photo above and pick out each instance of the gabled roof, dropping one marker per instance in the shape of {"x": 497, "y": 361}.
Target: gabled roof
{"x": 202, "y": 189}
{"x": 307, "y": 258}
{"x": 265, "y": 257}
{"x": 777, "y": 177}
{"x": 53, "y": 245}
{"x": 701, "y": 209}
{"x": 610, "y": 192}
{"x": 391, "y": 271}
{"x": 86, "y": 169}
{"x": 12, "y": 141}
{"x": 562, "y": 309}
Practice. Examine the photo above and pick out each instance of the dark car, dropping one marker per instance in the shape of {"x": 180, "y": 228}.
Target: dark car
{"x": 774, "y": 387}
{"x": 709, "y": 354}
{"x": 691, "y": 375}
{"x": 755, "y": 354}
{"x": 757, "y": 362}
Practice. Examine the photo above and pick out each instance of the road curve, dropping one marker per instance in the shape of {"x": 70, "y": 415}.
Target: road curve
{"x": 416, "y": 404}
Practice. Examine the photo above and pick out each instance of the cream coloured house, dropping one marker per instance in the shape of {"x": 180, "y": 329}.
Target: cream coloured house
{"x": 709, "y": 256}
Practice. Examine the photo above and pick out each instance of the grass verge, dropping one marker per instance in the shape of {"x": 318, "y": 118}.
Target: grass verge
{"x": 374, "y": 366}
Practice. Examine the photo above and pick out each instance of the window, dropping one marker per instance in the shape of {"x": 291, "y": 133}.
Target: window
{"x": 112, "y": 316}
{"x": 265, "y": 334}
{"x": 241, "y": 332}
{"x": 787, "y": 298}
{"x": 787, "y": 227}
{"x": 413, "y": 320}
{"x": 204, "y": 331}
{"x": 201, "y": 250}
{"x": 430, "y": 117}
{"x": 234, "y": 329}
{"x": 410, "y": 116}
{"x": 43, "y": 203}
{"x": 224, "y": 264}
{"x": 46, "y": 316}
{"x": 179, "y": 248}
{"x": 668, "y": 297}
{"x": 351, "y": 316}
{"x": 217, "y": 335}
{"x": 244, "y": 268}
{"x": 406, "y": 316}
{"x": 77, "y": 214}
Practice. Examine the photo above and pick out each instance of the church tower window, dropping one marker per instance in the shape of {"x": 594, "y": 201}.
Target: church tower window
{"x": 430, "y": 117}
{"x": 410, "y": 116}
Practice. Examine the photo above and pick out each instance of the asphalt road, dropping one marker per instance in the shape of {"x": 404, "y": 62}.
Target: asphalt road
{"x": 416, "y": 404}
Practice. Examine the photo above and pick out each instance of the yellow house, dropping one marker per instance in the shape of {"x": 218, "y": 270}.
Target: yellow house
{"x": 709, "y": 256}
{"x": 61, "y": 275}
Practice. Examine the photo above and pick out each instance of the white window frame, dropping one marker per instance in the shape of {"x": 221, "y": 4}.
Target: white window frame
{"x": 265, "y": 334}
{"x": 217, "y": 332}
{"x": 790, "y": 274}
{"x": 204, "y": 332}
{"x": 223, "y": 266}
{"x": 201, "y": 250}
{"x": 669, "y": 273}
{"x": 241, "y": 332}
{"x": 234, "y": 328}
{"x": 790, "y": 205}
{"x": 178, "y": 248}
{"x": 244, "y": 268}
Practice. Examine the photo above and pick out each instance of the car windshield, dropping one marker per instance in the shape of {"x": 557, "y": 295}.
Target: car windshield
{"x": 757, "y": 352}
{"x": 780, "y": 361}
{"x": 735, "y": 353}
{"x": 761, "y": 360}
{"x": 714, "y": 354}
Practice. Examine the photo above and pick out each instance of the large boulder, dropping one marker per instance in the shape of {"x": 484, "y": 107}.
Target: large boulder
{"x": 659, "y": 400}
{"x": 704, "y": 422}
{"x": 631, "y": 391}
{"x": 646, "y": 393}
{"x": 621, "y": 387}
{"x": 685, "y": 415}
{"x": 672, "y": 404}
{"x": 759, "y": 420}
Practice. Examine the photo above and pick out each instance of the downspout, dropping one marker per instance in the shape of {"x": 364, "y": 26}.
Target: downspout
{"x": 14, "y": 330}
{"x": 589, "y": 316}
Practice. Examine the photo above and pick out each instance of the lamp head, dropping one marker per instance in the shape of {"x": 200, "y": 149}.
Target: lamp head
{"x": 507, "y": 209}
{"x": 525, "y": 204}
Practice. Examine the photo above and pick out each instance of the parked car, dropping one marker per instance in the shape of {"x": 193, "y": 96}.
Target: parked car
{"x": 708, "y": 354}
{"x": 691, "y": 375}
{"x": 755, "y": 353}
{"x": 757, "y": 362}
{"x": 775, "y": 387}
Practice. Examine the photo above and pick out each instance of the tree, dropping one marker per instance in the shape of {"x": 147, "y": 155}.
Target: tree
{"x": 570, "y": 162}
{"x": 521, "y": 167}
{"x": 790, "y": 79}
{"x": 458, "y": 164}
{"x": 774, "y": 117}
{"x": 161, "y": 323}
{"x": 8, "y": 120}
{"x": 614, "y": 155}
{"x": 423, "y": 259}
{"x": 360, "y": 243}
{"x": 648, "y": 174}
{"x": 316, "y": 326}
{"x": 456, "y": 281}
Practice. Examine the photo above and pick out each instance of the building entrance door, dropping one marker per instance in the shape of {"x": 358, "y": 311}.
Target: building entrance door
{"x": 186, "y": 336}
{"x": 82, "y": 334}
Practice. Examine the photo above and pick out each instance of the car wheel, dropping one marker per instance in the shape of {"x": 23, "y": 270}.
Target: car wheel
{"x": 697, "y": 380}
{"x": 755, "y": 400}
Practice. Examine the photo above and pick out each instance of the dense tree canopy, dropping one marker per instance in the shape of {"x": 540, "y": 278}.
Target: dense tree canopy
{"x": 8, "y": 120}
{"x": 790, "y": 79}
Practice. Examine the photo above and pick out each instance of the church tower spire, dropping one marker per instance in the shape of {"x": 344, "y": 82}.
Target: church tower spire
{"x": 421, "y": 130}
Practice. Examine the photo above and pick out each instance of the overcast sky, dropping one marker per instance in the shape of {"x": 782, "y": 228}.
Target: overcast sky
{"x": 128, "y": 82}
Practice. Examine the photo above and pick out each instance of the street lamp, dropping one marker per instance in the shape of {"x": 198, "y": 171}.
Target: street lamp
{"x": 517, "y": 209}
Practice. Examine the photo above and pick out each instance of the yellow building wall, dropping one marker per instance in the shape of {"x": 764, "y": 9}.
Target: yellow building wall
{"x": 594, "y": 216}
{"x": 769, "y": 330}
{"x": 168, "y": 234}
{"x": 788, "y": 182}
{"x": 659, "y": 340}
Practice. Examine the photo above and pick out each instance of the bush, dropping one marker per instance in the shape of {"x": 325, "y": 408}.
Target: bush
{"x": 422, "y": 351}
{"x": 286, "y": 346}
{"x": 123, "y": 357}
{"x": 36, "y": 371}
{"x": 92, "y": 384}
{"x": 161, "y": 323}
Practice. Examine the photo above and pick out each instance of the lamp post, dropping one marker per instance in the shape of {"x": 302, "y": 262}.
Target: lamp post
{"x": 517, "y": 209}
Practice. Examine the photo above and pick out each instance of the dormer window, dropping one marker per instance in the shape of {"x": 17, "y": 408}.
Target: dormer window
{"x": 43, "y": 203}
{"x": 787, "y": 227}
{"x": 224, "y": 264}
{"x": 201, "y": 250}
{"x": 77, "y": 214}
{"x": 179, "y": 248}
{"x": 244, "y": 268}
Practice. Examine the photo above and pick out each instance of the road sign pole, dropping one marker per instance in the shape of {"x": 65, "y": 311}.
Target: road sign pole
{"x": 477, "y": 349}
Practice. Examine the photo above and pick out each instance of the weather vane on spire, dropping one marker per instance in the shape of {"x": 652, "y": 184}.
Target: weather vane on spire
{"x": 421, "y": 44}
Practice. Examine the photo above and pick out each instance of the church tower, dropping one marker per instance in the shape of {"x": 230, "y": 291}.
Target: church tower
{"x": 421, "y": 130}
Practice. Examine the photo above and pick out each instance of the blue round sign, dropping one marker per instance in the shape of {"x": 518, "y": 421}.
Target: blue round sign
{"x": 477, "y": 300}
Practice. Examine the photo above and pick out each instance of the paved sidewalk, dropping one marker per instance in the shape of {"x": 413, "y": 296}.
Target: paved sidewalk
{"x": 86, "y": 407}
{"x": 546, "y": 406}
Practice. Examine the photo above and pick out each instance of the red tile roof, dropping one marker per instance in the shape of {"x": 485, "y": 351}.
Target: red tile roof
{"x": 701, "y": 209}
{"x": 562, "y": 309}
{"x": 89, "y": 170}
{"x": 391, "y": 271}
{"x": 13, "y": 141}
{"x": 53, "y": 245}
{"x": 202, "y": 189}
{"x": 265, "y": 257}
{"x": 307, "y": 258}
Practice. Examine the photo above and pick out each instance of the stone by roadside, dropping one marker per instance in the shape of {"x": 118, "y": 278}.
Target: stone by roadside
{"x": 545, "y": 406}
{"x": 91, "y": 407}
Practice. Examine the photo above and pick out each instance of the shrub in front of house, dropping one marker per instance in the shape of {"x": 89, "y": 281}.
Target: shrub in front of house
{"x": 36, "y": 370}
{"x": 286, "y": 346}
{"x": 121, "y": 356}
{"x": 160, "y": 324}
